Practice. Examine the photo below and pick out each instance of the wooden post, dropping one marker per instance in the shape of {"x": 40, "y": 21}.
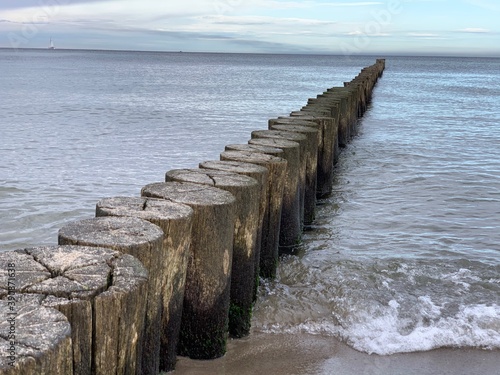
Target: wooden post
{"x": 274, "y": 151}
{"x": 168, "y": 266}
{"x": 325, "y": 146}
{"x": 142, "y": 240}
{"x": 260, "y": 174}
{"x": 291, "y": 219}
{"x": 301, "y": 139}
{"x": 310, "y": 157}
{"x": 316, "y": 110}
{"x": 344, "y": 118}
{"x": 269, "y": 247}
{"x": 91, "y": 286}
{"x": 34, "y": 339}
{"x": 204, "y": 325}
{"x": 329, "y": 127}
{"x": 246, "y": 190}
{"x": 288, "y": 120}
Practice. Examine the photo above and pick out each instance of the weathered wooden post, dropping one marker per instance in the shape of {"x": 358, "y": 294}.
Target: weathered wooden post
{"x": 204, "y": 326}
{"x": 293, "y": 198}
{"x": 168, "y": 266}
{"x": 143, "y": 240}
{"x": 288, "y": 120}
{"x": 358, "y": 86}
{"x": 246, "y": 190}
{"x": 325, "y": 148}
{"x": 274, "y": 151}
{"x": 260, "y": 174}
{"x": 351, "y": 93}
{"x": 302, "y": 140}
{"x": 344, "y": 129}
{"x": 91, "y": 286}
{"x": 324, "y": 105}
{"x": 35, "y": 339}
{"x": 311, "y": 160}
{"x": 317, "y": 110}
{"x": 329, "y": 126}
{"x": 269, "y": 247}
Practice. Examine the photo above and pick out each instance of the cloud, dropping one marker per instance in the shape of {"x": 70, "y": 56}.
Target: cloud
{"x": 120, "y": 10}
{"x": 253, "y": 25}
{"x": 263, "y": 20}
{"x": 423, "y": 35}
{"x": 270, "y": 47}
{"x": 19, "y": 4}
{"x": 360, "y": 33}
{"x": 474, "y": 30}
{"x": 426, "y": 36}
{"x": 273, "y": 4}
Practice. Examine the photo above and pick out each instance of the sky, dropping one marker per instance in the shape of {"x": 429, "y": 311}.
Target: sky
{"x": 416, "y": 27}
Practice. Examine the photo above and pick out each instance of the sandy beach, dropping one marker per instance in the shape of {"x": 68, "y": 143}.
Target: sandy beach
{"x": 303, "y": 354}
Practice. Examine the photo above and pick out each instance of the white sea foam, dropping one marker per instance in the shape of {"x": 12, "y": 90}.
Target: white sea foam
{"x": 380, "y": 313}
{"x": 461, "y": 277}
{"x": 475, "y": 326}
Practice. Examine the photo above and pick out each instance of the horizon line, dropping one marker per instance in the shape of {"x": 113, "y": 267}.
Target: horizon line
{"x": 319, "y": 53}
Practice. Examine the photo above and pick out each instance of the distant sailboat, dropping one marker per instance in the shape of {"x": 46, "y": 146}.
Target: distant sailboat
{"x": 51, "y": 44}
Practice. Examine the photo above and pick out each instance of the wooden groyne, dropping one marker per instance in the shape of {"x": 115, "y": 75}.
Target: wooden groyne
{"x": 176, "y": 270}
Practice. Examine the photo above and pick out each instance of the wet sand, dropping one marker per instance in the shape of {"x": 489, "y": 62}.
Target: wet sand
{"x": 303, "y": 354}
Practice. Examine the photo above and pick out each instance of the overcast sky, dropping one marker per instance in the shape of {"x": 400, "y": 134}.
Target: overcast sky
{"x": 457, "y": 27}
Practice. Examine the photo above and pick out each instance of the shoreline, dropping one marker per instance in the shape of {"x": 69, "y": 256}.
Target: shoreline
{"x": 306, "y": 354}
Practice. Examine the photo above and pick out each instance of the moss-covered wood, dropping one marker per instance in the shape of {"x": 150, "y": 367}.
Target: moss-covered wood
{"x": 260, "y": 174}
{"x": 246, "y": 190}
{"x": 205, "y": 313}
{"x": 277, "y": 167}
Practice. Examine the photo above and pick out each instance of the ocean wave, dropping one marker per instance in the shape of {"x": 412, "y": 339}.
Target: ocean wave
{"x": 386, "y": 306}
{"x": 475, "y": 326}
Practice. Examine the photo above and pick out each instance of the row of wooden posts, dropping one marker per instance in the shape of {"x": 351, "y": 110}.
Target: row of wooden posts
{"x": 176, "y": 270}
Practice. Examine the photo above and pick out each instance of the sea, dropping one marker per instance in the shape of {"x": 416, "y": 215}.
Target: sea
{"x": 404, "y": 256}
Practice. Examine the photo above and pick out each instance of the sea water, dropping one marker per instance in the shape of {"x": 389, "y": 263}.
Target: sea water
{"x": 404, "y": 256}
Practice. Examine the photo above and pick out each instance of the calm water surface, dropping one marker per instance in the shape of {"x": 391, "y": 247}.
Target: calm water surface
{"x": 404, "y": 256}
